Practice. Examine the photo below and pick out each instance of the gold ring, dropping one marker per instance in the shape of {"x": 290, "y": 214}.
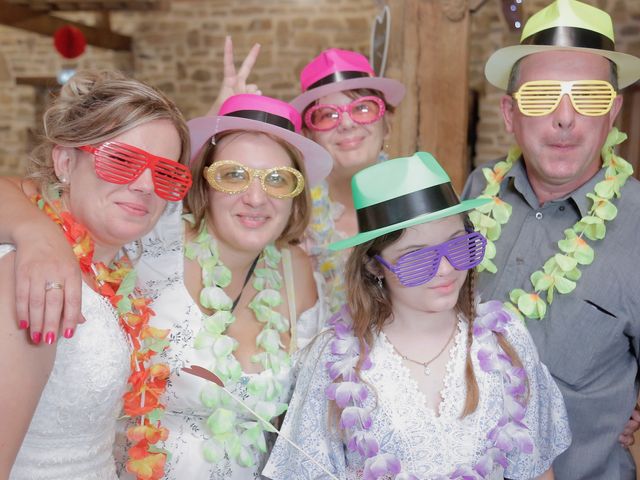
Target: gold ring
{"x": 52, "y": 285}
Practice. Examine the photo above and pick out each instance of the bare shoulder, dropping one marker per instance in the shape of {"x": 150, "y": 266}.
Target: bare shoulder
{"x": 305, "y": 284}
{"x": 29, "y": 370}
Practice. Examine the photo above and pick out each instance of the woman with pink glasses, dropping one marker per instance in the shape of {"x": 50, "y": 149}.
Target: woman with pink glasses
{"x": 112, "y": 156}
{"x": 346, "y": 109}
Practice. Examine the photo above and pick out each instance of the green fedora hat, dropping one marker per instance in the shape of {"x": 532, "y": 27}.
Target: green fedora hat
{"x": 564, "y": 25}
{"x": 400, "y": 193}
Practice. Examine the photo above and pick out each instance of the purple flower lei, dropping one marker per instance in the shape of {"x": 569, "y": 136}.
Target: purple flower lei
{"x": 349, "y": 393}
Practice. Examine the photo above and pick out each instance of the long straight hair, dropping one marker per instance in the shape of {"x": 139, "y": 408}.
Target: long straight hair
{"x": 371, "y": 307}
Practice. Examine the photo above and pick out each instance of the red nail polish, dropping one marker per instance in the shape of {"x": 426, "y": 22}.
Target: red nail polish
{"x": 35, "y": 337}
{"x": 23, "y": 325}
{"x": 68, "y": 333}
{"x": 49, "y": 338}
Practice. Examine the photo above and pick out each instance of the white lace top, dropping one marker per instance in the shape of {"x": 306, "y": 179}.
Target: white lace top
{"x": 428, "y": 443}
{"x": 72, "y": 431}
{"x": 161, "y": 270}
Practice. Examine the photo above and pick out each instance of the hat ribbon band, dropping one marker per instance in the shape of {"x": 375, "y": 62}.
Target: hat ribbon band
{"x": 570, "y": 37}
{"x": 264, "y": 117}
{"x": 337, "y": 77}
{"x": 406, "y": 207}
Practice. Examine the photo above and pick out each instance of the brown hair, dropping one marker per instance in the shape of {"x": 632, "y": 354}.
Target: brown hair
{"x": 197, "y": 198}
{"x": 94, "y": 106}
{"x": 370, "y": 306}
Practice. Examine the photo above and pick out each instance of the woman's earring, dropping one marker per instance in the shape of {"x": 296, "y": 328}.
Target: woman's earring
{"x": 379, "y": 279}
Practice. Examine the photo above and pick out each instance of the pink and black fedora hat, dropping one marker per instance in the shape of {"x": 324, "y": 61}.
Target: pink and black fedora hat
{"x": 336, "y": 70}
{"x": 262, "y": 114}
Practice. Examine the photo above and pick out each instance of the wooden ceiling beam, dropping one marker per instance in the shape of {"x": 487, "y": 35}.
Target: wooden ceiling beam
{"x": 92, "y": 5}
{"x": 26, "y": 19}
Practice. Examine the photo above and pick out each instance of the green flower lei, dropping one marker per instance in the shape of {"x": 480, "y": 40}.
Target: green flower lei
{"x": 239, "y": 438}
{"x": 561, "y": 272}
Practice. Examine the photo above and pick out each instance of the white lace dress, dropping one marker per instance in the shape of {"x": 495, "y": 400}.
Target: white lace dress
{"x": 72, "y": 431}
{"x": 427, "y": 443}
{"x": 161, "y": 274}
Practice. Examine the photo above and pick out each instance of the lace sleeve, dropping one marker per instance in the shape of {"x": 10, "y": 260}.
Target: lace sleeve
{"x": 307, "y": 424}
{"x": 546, "y": 415}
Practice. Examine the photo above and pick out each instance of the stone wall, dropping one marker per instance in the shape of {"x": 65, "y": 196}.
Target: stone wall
{"x": 180, "y": 51}
{"x": 489, "y": 32}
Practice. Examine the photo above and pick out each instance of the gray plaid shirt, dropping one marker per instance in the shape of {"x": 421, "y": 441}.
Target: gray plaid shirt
{"x": 590, "y": 338}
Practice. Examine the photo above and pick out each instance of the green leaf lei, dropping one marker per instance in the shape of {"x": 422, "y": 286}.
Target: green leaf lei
{"x": 561, "y": 272}
{"x": 232, "y": 434}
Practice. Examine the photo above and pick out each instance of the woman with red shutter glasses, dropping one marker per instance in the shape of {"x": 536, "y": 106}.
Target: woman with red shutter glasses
{"x": 345, "y": 109}
{"x": 109, "y": 162}
{"x": 222, "y": 279}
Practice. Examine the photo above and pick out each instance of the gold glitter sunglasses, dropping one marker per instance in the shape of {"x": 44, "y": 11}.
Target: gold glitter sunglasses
{"x": 232, "y": 177}
{"x": 588, "y": 97}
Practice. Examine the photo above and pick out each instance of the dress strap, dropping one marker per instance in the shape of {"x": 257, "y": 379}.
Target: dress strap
{"x": 287, "y": 266}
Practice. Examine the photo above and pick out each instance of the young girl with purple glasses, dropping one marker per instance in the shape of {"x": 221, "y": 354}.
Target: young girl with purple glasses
{"x": 415, "y": 379}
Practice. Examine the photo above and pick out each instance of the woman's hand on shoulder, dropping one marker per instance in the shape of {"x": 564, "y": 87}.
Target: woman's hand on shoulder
{"x": 48, "y": 281}
{"x": 234, "y": 82}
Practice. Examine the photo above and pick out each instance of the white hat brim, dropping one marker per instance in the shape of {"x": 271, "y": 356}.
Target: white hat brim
{"x": 317, "y": 160}
{"x": 392, "y": 89}
{"x": 500, "y": 63}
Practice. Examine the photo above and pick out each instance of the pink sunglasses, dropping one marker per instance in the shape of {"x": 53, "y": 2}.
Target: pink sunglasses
{"x": 363, "y": 111}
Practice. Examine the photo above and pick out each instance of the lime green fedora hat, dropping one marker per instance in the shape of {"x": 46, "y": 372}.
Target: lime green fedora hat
{"x": 401, "y": 193}
{"x": 564, "y": 25}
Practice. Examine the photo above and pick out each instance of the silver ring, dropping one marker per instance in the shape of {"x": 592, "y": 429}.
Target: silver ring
{"x": 52, "y": 285}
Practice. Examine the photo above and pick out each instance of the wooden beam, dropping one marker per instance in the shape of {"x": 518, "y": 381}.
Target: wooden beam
{"x": 44, "y": 82}
{"x": 443, "y": 81}
{"x": 429, "y": 54}
{"x": 92, "y": 5}
{"x": 26, "y": 19}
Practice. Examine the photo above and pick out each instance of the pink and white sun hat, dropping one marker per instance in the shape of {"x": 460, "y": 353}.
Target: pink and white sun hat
{"x": 336, "y": 70}
{"x": 262, "y": 114}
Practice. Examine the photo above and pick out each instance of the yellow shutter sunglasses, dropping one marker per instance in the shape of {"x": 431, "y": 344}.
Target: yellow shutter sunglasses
{"x": 588, "y": 97}
{"x": 232, "y": 177}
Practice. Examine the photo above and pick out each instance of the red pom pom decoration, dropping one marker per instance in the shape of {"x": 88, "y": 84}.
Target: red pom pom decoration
{"x": 69, "y": 41}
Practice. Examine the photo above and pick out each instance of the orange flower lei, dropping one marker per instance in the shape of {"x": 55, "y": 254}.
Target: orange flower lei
{"x": 147, "y": 382}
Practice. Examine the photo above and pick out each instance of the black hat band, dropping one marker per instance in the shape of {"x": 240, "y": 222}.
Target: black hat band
{"x": 264, "y": 117}
{"x": 570, "y": 37}
{"x": 406, "y": 207}
{"x": 337, "y": 77}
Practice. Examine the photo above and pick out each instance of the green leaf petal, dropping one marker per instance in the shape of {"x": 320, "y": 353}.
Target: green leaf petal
{"x": 221, "y": 421}
{"x": 564, "y": 285}
{"x": 213, "y": 450}
{"x": 541, "y": 281}
{"x": 574, "y": 274}
{"x": 215, "y": 298}
{"x": 515, "y": 294}
{"x": 565, "y": 262}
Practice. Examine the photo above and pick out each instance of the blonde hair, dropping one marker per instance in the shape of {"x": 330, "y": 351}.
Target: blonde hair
{"x": 197, "y": 200}
{"x": 94, "y": 106}
{"x": 371, "y": 308}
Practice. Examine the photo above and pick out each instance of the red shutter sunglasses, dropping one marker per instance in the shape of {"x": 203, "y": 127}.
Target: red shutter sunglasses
{"x": 119, "y": 163}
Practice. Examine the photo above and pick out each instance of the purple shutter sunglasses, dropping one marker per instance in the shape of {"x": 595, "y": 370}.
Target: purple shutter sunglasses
{"x": 420, "y": 266}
